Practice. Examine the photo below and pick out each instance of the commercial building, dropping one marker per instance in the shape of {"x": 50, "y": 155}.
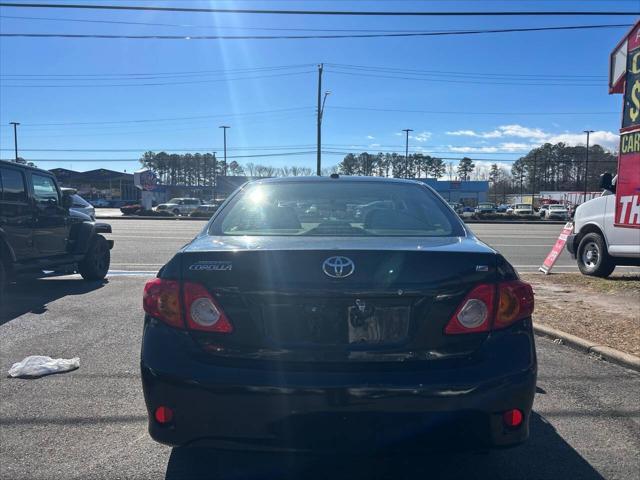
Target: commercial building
{"x": 469, "y": 193}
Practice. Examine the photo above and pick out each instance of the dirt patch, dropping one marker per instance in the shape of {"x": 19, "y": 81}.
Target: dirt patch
{"x": 605, "y": 311}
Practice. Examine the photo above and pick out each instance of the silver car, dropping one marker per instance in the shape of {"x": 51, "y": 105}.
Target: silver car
{"x": 79, "y": 204}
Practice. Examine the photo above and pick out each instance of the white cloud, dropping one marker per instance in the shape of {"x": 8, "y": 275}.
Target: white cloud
{"x": 463, "y": 133}
{"x": 603, "y": 138}
{"x": 421, "y": 137}
{"x": 373, "y": 145}
{"x": 370, "y": 137}
{"x": 536, "y": 137}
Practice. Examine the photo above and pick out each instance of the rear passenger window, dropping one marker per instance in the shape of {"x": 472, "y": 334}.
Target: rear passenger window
{"x": 12, "y": 185}
{"x": 44, "y": 189}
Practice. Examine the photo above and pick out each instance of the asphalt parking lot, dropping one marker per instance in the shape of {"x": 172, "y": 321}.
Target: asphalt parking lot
{"x": 91, "y": 423}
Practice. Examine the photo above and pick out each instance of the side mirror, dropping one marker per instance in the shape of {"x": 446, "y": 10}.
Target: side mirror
{"x": 606, "y": 181}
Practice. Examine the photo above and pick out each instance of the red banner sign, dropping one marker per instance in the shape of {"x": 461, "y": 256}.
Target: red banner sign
{"x": 555, "y": 252}
{"x": 628, "y": 184}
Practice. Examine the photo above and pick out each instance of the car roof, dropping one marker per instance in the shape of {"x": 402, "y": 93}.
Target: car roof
{"x": 25, "y": 167}
{"x": 341, "y": 179}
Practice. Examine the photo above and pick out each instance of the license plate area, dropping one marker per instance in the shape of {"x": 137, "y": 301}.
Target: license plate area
{"x": 356, "y": 323}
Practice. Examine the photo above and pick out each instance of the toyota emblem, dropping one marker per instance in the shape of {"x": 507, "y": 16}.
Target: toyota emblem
{"x": 338, "y": 267}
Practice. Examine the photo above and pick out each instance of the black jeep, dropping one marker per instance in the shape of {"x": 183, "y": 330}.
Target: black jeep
{"x": 39, "y": 235}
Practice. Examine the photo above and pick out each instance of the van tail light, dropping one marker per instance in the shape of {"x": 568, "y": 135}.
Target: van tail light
{"x": 490, "y": 307}
{"x": 203, "y": 312}
{"x": 162, "y": 300}
{"x": 475, "y": 313}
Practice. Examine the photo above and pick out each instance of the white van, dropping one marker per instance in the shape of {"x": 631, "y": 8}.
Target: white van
{"x": 597, "y": 244}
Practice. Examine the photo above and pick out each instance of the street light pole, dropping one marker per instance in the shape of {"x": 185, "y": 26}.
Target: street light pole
{"x": 406, "y": 151}
{"x": 15, "y": 137}
{"x": 586, "y": 165}
{"x": 224, "y": 130}
{"x": 319, "y": 122}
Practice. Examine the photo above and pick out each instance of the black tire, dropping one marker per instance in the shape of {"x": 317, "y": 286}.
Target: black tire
{"x": 593, "y": 257}
{"x": 95, "y": 264}
{"x": 176, "y": 212}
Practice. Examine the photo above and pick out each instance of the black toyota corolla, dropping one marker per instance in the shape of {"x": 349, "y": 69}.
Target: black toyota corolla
{"x": 335, "y": 313}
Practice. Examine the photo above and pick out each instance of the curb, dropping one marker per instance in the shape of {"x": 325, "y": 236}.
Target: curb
{"x": 585, "y": 346}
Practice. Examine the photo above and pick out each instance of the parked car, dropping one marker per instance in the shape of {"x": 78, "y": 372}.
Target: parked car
{"x": 39, "y": 233}
{"x": 78, "y": 203}
{"x": 265, "y": 332}
{"x": 502, "y": 208}
{"x": 180, "y": 206}
{"x": 204, "y": 211}
{"x": 131, "y": 209}
{"x": 485, "y": 208}
{"x": 597, "y": 243}
{"x": 543, "y": 211}
{"x": 556, "y": 212}
{"x": 457, "y": 207}
{"x": 523, "y": 209}
{"x": 101, "y": 203}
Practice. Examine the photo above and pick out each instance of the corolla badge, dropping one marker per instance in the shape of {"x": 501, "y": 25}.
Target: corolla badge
{"x": 338, "y": 267}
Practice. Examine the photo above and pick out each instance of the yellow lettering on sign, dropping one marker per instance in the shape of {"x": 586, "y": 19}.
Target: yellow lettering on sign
{"x": 635, "y": 63}
{"x": 630, "y": 143}
{"x": 634, "y": 112}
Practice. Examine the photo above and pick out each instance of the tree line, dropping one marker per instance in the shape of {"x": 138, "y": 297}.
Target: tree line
{"x": 548, "y": 167}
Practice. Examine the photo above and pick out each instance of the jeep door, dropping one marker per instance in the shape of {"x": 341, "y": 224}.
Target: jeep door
{"x": 16, "y": 213}
{"x": 50, "y": 221}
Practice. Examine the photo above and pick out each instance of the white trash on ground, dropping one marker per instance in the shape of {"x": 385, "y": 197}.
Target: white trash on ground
{"x": 38, "y": 366}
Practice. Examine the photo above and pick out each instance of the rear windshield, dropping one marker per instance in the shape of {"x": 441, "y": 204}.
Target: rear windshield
{"x": 361, "y": 209}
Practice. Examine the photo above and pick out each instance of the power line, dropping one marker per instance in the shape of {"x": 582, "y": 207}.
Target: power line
{"x": 315, "y": 12}
{"x": 448, "y": 73}
{"x": 220, "y": 27}
{"x": 147, "y": 75}
{"x": 147, "y": 84}
{"x": 469, "y": 112}
{"x": 147, "y": 120}
{"x": 96, "y": 36}
{"x": 280, "y": 154}
{"x": 471, "y": 82}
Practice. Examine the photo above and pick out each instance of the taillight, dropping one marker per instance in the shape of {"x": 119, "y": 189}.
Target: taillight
{"x": 475, "y": 312}
{"x": 203, "y": 312}
{"x": 162, "y": 300}
{"x": 515, "y": 303}
{"x": 478, "y": 311}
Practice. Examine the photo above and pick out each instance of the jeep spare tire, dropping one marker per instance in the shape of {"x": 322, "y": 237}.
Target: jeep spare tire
{"x": 95, "y": 264}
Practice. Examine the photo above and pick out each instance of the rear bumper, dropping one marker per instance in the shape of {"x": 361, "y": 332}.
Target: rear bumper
{"x": 323, "y": 410}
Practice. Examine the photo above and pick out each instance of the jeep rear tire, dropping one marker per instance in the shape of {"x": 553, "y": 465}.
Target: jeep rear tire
{"x": 593, "y": 258}
{"x": 95, "y": 264}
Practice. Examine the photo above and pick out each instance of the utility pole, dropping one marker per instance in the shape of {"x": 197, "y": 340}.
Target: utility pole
{"x": 586, "y": 166}
{"x": 319, "y": 121}
{"x": 406, "y": 151}
{"x": 533, "y": 180}
{"x": 224, "y": 130}
{"x": 15, "y": 137}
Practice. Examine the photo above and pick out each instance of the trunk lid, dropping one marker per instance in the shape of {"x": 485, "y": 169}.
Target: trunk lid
{"x": 322, "y": 300}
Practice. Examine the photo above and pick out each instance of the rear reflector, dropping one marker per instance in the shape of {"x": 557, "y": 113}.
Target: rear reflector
{"x": 512, "y": 418}
{"x": 163, "y": 415}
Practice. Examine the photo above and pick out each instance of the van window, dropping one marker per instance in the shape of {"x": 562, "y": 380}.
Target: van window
{"x": 12, "y": 185}
{"x": 44, "y": 189}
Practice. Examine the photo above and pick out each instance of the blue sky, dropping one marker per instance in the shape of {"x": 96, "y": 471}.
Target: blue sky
{"x": 512, "y": 91}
